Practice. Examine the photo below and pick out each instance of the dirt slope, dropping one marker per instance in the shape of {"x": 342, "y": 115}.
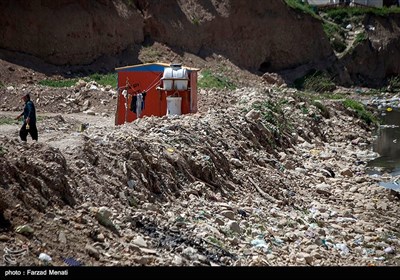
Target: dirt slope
{"x": 377, "y": 57}
{"x": 265, "y": 35}
{"x": 258, "y": 176}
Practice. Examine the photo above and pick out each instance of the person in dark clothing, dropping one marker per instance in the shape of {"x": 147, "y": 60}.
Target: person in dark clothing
{"x": 29, "y": 125}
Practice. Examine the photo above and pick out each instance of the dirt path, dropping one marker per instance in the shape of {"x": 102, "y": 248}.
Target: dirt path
{"x": 59, "y": 131}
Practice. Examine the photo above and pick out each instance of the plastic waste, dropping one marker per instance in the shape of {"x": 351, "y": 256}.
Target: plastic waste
{"x": 25, "y": 229}
{"x": 343, "y": 248}
{"x": 45, "y": 258}
{"x": 260, "y": 243}
{"x": 72, "y": 262}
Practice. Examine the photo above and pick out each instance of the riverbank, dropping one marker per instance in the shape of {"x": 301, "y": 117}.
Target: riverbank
{"x": 259, "y": 176}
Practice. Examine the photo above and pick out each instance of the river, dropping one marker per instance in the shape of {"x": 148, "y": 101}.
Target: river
{"x": 387, "y": 145}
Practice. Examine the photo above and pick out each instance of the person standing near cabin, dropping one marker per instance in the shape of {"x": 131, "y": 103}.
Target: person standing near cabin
{"x": 29, "y": 124}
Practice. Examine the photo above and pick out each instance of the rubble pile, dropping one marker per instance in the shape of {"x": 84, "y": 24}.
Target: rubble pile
{"x": 259, "y": 176}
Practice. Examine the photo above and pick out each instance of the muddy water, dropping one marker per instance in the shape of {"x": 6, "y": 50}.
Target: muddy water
{"x": 387, "y": 145}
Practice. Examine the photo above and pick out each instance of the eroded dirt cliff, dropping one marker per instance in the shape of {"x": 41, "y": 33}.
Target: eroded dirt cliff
{"x": 266, "y": 35}
{"x": 377, "y": 56}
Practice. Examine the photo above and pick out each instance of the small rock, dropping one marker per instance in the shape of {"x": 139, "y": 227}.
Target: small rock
{"x": 4, "y": 238}
{"x": 144, "y": 260}
{"x": 382, "y": 205}
{"x": 236, "y": 162}
{"x": 92, "y": 251}
{"x": 234, "y": 226}
{"x": 346, "y": 172}
{"x": 219, "y": 221}
{"x": 100, "y": 237}
{"x": 389, "y": 250}
{"x": 253, "y": 115}
{"x": 62, "y": 238}
{"x": 148, "y": 251}
{"x": 228, "y": 214}
{"x": 177, "y": 260}
{"x": 190, "y": 252}
{"x": 139, "y": 241}
{"x": 89, "y": 112}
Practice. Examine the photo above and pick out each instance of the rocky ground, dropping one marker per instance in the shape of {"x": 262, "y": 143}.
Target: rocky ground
{"x": 259, "y": 176}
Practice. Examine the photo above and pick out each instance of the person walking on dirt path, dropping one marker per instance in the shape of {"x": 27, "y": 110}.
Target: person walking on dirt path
{"x": 29, "y": 125}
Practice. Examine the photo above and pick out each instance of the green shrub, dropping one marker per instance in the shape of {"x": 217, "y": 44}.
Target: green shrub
{"x": 315, "y": 81}
{"x": 3, "y": 151}
{"x": 394, "y": 83}
{"x": 360, "y": 110}
{"x": 209, "y": 80}
{"x": 360, "y": 37}
{"x": 322, "y": 108}
{"x": 336, "y": 36}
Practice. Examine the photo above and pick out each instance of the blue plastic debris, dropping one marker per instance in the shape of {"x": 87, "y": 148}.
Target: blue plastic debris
{"x": 72, "y": 262}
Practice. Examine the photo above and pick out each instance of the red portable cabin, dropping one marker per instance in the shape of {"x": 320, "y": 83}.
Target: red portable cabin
{"x": 155, "y": 89}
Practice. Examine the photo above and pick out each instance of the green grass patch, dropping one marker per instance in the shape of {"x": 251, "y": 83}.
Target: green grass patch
{"x": 322, "y": 108}
{"x": 272, "y": 113}
{"x": 104, "y": 79}
{"x": 336, "y": 36}
{"x": 302, "y": 7}
{"x": 361, "y": 37}
{"x": 394, "y": 83}
{"x": 41, "y": 118}
{"x": 3, "y": 151}
{"x": 315, "y": 81}
{"x": 101, "y": 79}
{"x": 196, "y": 21}
{"x": 215, "y": 241}
{"x": 360, "y": 110}
{"x": 6, "y": 120}
{"x": 331, "y": 30}
{"x": 347, "y": 14}
{"x": 58, "y": 83}
{"x": 209, "y": 80}
{"x": 1, "y": 84}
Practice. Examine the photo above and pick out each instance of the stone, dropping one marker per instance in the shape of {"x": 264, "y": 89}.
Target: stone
{"x": 219, "y": 221}
{"x": 234, "y": 226}
{"x": 228, "y": 214}
{"x": 4, "y": 238}
{"x": 177, "y": 260}
{"x": 346, "y": 172}
{"x": 92, "y": 251}
{"x": 253, "y": 115}
{"x": 139, "y": 241}
{"x": 236, "y": 162}
{"x": 382, "y": 206}
{"x": 100, "y": 237}
{"x": 323, "y": 189}
{"x": 273, "y": 78}
{"x": 62, "y": 238}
